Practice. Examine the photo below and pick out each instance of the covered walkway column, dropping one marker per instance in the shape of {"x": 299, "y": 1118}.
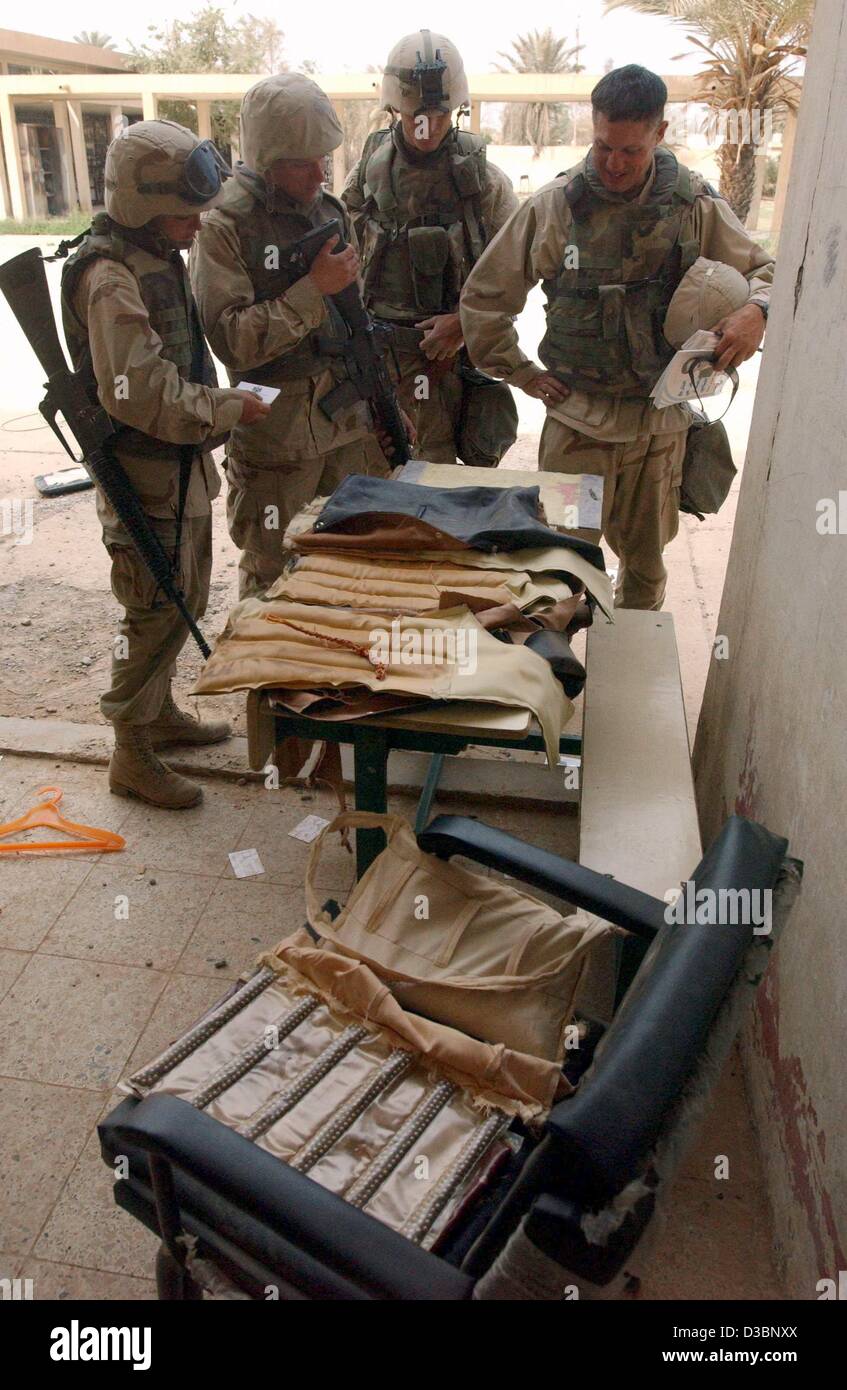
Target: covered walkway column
{"x": 80, "y": 158}
{"x": 60, "y": 117}
{"x": 12, "y": 153}
{"x": 784, "y": 171}
{"x": 204, "y": 119}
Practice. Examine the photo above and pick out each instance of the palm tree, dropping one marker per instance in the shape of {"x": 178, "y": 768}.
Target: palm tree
{"x": 94, "y": 38}
{"x": 538, "y": 123}
{"x": 753, "y": 47}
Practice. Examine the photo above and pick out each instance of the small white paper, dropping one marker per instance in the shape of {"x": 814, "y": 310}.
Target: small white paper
{"x": 308, "y": 829}
{"x": 245, "y": 863}
{"x": 266, "y": 394}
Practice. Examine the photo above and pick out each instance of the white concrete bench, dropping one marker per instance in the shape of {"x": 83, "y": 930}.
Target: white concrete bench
{"x": 638, "y": 816}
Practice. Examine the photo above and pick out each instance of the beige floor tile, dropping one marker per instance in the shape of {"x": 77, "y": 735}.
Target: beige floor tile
{"x": 242, "y": 919}
{"x": 74, "y": 1023}
{"x": 183, "y": 1001}
{"x": 86, "y": 799}
{"x": 32, "y": 894}
{"x": 87, "y": 1228}
{"x": 129, "y": 918}
{"x": 42, "y": 1132}
{"x": 11, "y": 965}
{"x": 56, "y": 1281}
{"x": 274, "y": 814}
{"x": 194, "y": 841}
{"x": 9, "y": 1264}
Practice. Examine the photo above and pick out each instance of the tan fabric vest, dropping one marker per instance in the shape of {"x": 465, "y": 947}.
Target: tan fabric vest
{"x": 449, "y": 657}
{"x": 398, "y": 586}
{"x": 458, "y": 947}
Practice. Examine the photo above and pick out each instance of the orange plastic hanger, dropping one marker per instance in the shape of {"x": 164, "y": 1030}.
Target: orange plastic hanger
{"x": 45, "y": 813}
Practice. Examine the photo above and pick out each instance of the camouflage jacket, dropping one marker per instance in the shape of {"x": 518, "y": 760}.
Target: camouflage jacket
{"x": 131, "y": 328}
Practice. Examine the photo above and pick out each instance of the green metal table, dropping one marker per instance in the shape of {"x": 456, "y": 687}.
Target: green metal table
{"x": 372, "y": 742}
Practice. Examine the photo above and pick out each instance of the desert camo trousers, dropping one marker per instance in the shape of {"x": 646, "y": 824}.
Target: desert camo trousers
{"x": 450, "y": 414}
{"x": 641, "y": 484}
{"x": 431, "y": 395}
{"x": 152, "y": 632}
{"x": 261, "y": 502}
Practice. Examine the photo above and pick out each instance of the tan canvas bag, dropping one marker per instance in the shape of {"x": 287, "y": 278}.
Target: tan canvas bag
{"x": 458, "y": 947}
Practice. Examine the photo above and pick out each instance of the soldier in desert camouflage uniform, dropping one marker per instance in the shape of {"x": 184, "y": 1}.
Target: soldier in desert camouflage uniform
{"x": 131, "y": 326}
{"x": 425, "y": 202}
{"x": 274, "y": 327}
{"x": 611, "y": 241}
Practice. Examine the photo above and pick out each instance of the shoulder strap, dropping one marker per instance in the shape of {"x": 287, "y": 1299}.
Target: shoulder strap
{"x": 376, "y": 161}
{"x": 358, "y": 820}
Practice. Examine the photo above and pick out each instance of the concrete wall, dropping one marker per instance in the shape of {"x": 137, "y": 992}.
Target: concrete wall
{"x": 772, "y": 739}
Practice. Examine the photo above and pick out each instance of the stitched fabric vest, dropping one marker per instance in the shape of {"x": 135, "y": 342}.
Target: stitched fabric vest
{"x": 267, "y": 226}
{"x": 421, "y": 226}
{"x": 606, "y": 306}
{"x": 164, "y": 287}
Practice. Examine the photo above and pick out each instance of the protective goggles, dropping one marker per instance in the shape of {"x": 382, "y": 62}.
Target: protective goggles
{"x": 200, "y": 177}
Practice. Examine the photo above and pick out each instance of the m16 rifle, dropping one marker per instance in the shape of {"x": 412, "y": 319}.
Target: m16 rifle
{"x": 363, "y": 350}
{"x": 23, "y": 281}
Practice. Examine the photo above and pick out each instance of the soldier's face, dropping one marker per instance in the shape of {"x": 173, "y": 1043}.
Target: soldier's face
{"x": 623, "y": 151}
{"x": 426, "y": 130}
{"x": 301, "y": 179}
{"x": 179, "y": 231}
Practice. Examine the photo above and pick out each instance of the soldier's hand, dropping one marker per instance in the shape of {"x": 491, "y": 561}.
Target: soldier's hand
{"x": 332, "y": 272}
{"x": 547, "y": 388}
{"x": 252, "y": 408}
{"x": 443, "y": 337}
{"x": 385, "y": 439}
{"x": 740, "y": 334}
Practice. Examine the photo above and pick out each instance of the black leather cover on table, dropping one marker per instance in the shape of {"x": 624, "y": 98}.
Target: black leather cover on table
{"x": 481, "y": 518}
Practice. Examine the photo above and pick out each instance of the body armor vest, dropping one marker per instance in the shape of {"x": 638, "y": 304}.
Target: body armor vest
{"x": 165, "y": 289}
{"x": 607, "y": 305}
{"x": 421, "y": 227}
{"x": 265, "y": 230}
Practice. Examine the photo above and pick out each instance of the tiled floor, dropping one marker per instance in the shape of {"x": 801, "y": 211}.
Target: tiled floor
{"x": 105, "y": 959}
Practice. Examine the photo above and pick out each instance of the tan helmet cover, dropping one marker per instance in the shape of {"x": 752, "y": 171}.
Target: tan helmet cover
{"x": 706, "y": 292}
{"x": 149, "y": 152}
{"x": 400, "y": 92}
{"x": 287, "y": 116}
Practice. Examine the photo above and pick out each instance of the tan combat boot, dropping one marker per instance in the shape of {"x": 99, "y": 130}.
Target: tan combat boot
{"x": 135, "y": 770}
{"x": 175, "y": 726}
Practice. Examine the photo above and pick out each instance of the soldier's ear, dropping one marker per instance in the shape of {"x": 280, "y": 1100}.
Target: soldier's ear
{"x": 660, "y": 132}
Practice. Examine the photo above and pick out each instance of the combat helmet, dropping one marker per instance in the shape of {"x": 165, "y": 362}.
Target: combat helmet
{"x": 159, "y": 168}
{"x": 706, "y": 293}
{"x": 424, "y": 72}
{"x": 287, "y": 116}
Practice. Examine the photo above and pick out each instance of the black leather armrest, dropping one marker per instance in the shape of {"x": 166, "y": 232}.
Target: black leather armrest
{"x": 320, "y": 1228}
{"x": 616, "y": 902}
{"x": 604, "y": 1133}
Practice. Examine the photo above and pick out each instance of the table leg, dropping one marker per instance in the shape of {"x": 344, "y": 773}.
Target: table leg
{"x": 370, "y": 770}
{"x": 428, "y": 791}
